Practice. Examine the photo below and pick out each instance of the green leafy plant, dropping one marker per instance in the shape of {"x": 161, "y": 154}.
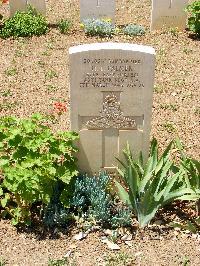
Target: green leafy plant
{"x": 32, "y": 160}
{"x": 120, "y": 259}
{"x": 169, "y": 127}
{"x": 192, "y": 171}
{"x": 192, "y": 225}
{"x": 58, "y": 262}
{"x": 91, "y": 197}
{"x": 97, "y": 27}
{"x": 186, "y": 261}
{"x": 50, "y": 74}
{"x": 147, "y": 187}
{"x": 64, "y": 26}
{"x": 24, "y": 24}
{"x": 11, "y": 71}
{"x": 6, "y": 93}
{"x": 63, "y": 261}
{"x": 2, "y": 261}
{"x": 6, "y": 105}
{"x": 134, "y": 30}
{"x": 174, "y": 31}
{"x": 194, "y": 17}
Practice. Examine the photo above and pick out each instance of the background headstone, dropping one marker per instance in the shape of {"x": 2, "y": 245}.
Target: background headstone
{"x": 17, "y": 5}
{"x": 168, "y": 14}
{"x": 111, "y": 88}
{"x": 39, "y": 5}
{"x": 21, "y": 5}
{"x": 97, "y": 9}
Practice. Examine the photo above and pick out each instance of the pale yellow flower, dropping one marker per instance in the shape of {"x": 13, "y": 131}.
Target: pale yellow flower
{"x": 107, "y": 19}
{"x": 117, "y": 30}
{"x": 82, "y": 25}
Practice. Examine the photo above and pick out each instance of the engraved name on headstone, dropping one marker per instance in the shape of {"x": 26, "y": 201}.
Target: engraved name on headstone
{"x": 97, "y": 9}
{"x": 21, "y": 5}
{"x": 111, "y": 87}
{"x": 168, "y": 14}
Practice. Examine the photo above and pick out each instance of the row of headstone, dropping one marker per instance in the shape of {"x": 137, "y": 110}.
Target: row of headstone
{"x": 111, "y": 88}
{"x": 21, "y": 5}
{"x": 165, "y": 13}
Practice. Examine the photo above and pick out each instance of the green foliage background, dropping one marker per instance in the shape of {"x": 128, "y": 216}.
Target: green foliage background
{"x": 194, "y": 17}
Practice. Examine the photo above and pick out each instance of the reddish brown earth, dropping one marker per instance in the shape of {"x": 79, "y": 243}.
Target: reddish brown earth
{"x": 34, "y": 74}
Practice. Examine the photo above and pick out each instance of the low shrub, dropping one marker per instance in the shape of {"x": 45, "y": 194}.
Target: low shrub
{"x": 97, "y": 27}
{"x": 194, "y": 17}
{"x": 24, "y": 24}
{"x": 91, "y": 198}
{"x": 148, "y": 187}
{"x": 33, "y": 160}
{"x": 64, "y": 26}
{"x": 134, "y": 30}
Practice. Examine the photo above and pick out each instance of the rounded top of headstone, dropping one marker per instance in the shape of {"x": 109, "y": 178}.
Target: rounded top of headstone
{"x": 111, "y": 46}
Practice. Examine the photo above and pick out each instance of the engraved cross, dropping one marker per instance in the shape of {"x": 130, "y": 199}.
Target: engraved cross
{"x": 111, "y": 121}
{"x": 98, "y": 3}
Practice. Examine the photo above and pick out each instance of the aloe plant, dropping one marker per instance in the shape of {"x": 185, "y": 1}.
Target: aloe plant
{"x": 147, "y": 187}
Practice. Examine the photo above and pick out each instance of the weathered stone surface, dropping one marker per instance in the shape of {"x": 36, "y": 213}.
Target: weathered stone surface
{"x": 111, "y": 87}
{"x": 168, "y": 14}
{"x": 97, "y": 9}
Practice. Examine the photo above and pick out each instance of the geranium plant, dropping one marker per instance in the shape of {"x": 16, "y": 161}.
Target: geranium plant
{"x": 32, "y": 160}
{"x": 193, "y": 10}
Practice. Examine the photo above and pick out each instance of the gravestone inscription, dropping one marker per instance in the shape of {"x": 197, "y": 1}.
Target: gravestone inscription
{"x": 168, "y": 14}
{"x": 97, "y": 9}
{"x": 21, "y": 5}
{"x": 111, "y": 87}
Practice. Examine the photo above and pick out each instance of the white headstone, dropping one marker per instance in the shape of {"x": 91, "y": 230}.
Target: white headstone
{"x": 97, "y": 9}
{"x": 39, "y": 5}
{"x": 21, "y": 5}
{"x": 111, "y": 88}
{"x": 168, "y": 14}
{"x": 17, "y": 5}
